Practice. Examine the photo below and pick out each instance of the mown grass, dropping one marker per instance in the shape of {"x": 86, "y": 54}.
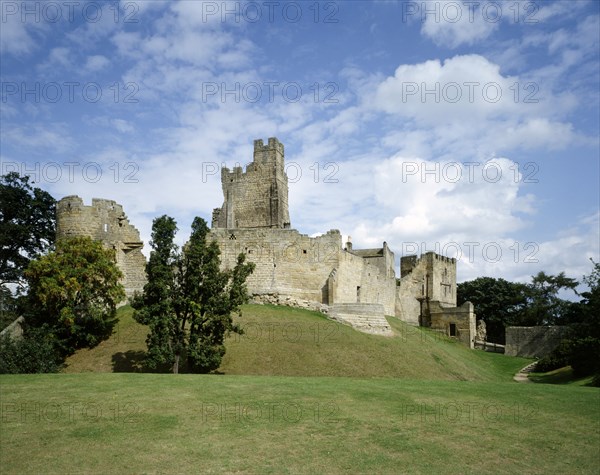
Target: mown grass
{"x": 283, "y": 341}
{"x": 155, "y": 423}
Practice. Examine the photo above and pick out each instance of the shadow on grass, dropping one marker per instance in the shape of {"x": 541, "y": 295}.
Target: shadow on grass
{"x": 560, "y": 376}
{"x": 129, "y": 362}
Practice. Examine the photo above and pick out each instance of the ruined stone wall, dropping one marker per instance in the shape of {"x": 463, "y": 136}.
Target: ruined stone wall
{"x": 287, "y": 263}
{"x": 533, "y": 342}
{"x": 430, "y": 278}
{"x": 105, "y": 221}
{"x": 361, "y": 281}
{"x": 290, "y": 264}
{"x": 458, "y": 322}
{"x": 258, "y": 197}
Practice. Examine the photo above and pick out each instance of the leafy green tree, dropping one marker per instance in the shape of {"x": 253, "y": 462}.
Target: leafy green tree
{"x": 498, "y": 302}
{"x": 74, "y": 292}
{"x": 581, "y": 347}
{"x": 27, "y": 225}
{"x": 545, "y": 307}
{"x": 188, "y": 301}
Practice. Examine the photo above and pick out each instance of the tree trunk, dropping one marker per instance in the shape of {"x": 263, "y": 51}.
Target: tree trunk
{"x": 176, "y": 365}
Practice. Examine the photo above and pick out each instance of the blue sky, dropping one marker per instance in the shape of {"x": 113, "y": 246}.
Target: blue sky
{"x": 465, "y": 127}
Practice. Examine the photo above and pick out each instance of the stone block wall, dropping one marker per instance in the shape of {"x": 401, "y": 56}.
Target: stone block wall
{"x": 458, "y": 322}
{"x": 429, "y": 278}
{"x": 287, "y": 263}
{"x": 294, "y": 265}
{"x": 258, "y": 197}
{"x": 533, "y": 342}
{"x": 105, "y": 221}
{"x": 360, "y": 281}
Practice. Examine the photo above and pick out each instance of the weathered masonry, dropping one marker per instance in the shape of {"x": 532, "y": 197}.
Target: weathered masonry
{"x": 357, "y": 286}
{"x": 106, "y": 222}
{"x": 257, "y": 198}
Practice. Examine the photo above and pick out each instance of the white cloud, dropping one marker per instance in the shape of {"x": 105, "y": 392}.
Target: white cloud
{"x": 462, "y": 88}
{"x": 465, "y": 107}
{"x": 452, "y": 23}
{"x": 18, "y": 37}
{"x": 96, "y": 63}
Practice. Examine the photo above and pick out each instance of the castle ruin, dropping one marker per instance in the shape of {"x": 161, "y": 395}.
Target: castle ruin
{"x": 106, "y": 222}
{"x": 354, "y": 286}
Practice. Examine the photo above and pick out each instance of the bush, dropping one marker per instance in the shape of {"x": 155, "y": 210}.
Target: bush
{"x": 584, "y": 355}
{"x": 34, "y": 353}
{"x": 558, "y": 358}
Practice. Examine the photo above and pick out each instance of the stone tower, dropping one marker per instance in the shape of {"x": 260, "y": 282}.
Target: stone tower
{"x": 106, "y": 222}
{"x": 258, "y": 197}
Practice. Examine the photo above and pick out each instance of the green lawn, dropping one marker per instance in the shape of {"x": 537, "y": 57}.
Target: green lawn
{"x": 298, "y": 393}
{"x": 153, "y": 423}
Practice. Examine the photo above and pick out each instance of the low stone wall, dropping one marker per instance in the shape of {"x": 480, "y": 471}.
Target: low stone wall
{"x": 288, "y": 301}
{"x": 364, "y": 317}
{"x": 533, "y": 342}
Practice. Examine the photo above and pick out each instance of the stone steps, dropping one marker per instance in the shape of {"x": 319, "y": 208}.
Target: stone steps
{"x": 367, "y": 318}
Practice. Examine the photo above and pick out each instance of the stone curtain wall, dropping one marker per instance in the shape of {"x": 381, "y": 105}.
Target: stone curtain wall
{"x": 290, "y": 264}
{"x": 287, "y": 263}
{"x": 533, "y": 342}
{"x": 105, "y": 221}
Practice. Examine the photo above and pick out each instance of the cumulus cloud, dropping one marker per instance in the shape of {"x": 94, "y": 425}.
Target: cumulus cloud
{"x": 469, "y": 107}
{"x": 461, "y": 88}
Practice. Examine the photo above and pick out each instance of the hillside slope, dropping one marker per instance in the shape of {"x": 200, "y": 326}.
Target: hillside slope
{"x": 292, "y": 342}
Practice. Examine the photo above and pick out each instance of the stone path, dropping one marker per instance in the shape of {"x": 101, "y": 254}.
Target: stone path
{"x": 521, "y": 376}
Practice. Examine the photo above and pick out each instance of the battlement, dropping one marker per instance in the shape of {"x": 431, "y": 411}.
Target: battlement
{"x": 408, "y": 263}
{"x": 258, "y": 197}
{"x": 272, "y": 145}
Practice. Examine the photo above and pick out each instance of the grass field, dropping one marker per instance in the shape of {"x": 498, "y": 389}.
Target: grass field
{"x": 299, "y": 394}
{"x": 152, "y": 423}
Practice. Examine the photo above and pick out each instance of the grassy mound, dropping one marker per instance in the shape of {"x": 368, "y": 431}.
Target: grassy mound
{"x": 286, "y": 341}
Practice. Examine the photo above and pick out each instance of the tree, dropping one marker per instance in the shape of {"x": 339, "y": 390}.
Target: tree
{"x": 74, "y": 292}
{"x": 188, "y": 301}
{"x": 498, "y": 302}
{"x": 155, "y": 306}
{"x": 35, "y": 352}
{"x": 581, "y": 347}
{"x": 545, "y": 307}
{"x": 27, "y": 225}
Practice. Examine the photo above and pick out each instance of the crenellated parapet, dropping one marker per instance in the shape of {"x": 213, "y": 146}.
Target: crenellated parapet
{"x": 257, "y": 197}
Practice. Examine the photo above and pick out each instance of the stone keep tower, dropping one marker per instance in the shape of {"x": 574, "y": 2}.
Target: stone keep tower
{"x": 258, "y": 197}
{"x": 106, "y": 222}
